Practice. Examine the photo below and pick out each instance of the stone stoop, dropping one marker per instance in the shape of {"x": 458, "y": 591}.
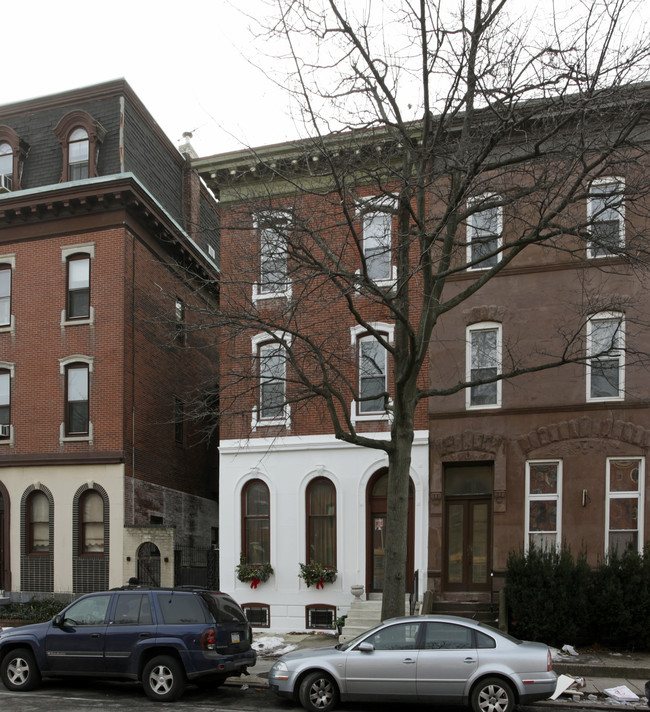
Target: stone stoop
{"x": 364, "y": 614}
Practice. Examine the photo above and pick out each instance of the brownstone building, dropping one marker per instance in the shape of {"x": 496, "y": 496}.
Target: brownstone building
{"x": 102, "y": 220}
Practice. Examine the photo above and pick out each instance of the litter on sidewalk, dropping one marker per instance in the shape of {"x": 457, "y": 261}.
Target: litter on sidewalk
{"x": 568, "y": 684}
{"x": 622, "y": 693}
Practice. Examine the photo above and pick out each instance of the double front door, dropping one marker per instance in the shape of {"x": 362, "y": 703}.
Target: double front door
{"x": 467, "y": 561}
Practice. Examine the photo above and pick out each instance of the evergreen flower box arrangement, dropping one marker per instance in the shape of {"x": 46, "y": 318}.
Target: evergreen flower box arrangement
{"x": 255, "y": 573}
{"x": 317, "y": 574}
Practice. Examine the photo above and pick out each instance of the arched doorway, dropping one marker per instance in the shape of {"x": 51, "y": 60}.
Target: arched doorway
{"x": 376, "y": 497}
{"x": 149, "y": 564}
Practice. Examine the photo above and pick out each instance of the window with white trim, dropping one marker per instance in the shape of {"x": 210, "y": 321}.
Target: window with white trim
{"x": 377, "y": 216}
{"x": 270, "y": 362}
{"x": 624, "y": 506}
{"x": 606, "y": 216}
{"x": 274, "y": 256}
{"x": 484, "y": 227}
{"x": 606, "y": 357}
{"x": 5, "y": 404}
{"x": 483, "y": 362}
{"x": 373, "y": 376}
{"x": 6, "y": 166}
{"x": 543, "y": 504}
{"x": 5, "y": 294}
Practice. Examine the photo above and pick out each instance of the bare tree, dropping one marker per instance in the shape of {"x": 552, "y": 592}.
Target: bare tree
{"x": 483, "y": 139}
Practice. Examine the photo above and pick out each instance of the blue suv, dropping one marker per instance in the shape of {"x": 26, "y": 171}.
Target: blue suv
{"x": 162, "y": 637}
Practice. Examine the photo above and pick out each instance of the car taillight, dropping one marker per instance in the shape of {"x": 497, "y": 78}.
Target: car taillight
{"x": 209, "y": 640}
{"x": 549, "y": 661}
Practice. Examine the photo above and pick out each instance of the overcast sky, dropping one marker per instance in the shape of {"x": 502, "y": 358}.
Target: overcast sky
{"x": 190, "y": 62}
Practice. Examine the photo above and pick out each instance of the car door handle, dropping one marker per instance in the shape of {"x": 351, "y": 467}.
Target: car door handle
{"x": 469, "y": 660}
{"x": 145, "y": 635}
{"x": 408, "y": 661}
{"x": 95, "y": 635}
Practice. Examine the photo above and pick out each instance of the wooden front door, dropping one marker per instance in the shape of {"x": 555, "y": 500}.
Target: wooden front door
{"x": 467, "y": 552}
{"x": 376, "y": 533}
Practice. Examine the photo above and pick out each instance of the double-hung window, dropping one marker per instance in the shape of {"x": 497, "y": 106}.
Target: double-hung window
{"x": 5, "y": 294}
{"x": 373, "y": 376}
{"x": 78, "y": 292}
{"x": 605, "y": 357}
{"x": 6, "y": 167}
{"x": 91, "y": 523}
{"x": 377, "y": 245}
{"x": 78, "y": 154}
{"x": 321, "y": 522}
{"x": 38, "y": 523}
{"x": 606, "y": 217}
{"x": 483, "y": 363}
{"x": 273, "y": 366}
{"x": 77, "y": 399}
{"x": 484, "y": 228}
{"x": 625, "y": 497}
{"x": 274, "y": 255}
{"x": 5, "y": 404}
{"x": 543, "y": 504}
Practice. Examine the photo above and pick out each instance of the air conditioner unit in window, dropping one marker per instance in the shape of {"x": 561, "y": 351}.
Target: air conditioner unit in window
{"x": 6, "y": 184}
{"x": 5, "y": 431}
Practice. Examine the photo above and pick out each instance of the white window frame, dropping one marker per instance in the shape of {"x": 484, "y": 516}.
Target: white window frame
{"x": 544, "y": 497}
{"x": 627, "y": 494}
{"x": 10, "y": 367}
{"x": 618, "y": 352}
{"x": 594, "y": 211}
{"x": 278, "y": 340}
{"x": 486, "y": 198}
{"x": 277, "y": 222}
{"x": 367, "y": 208}
{"x": 472, "y": 329}
{"x": 68, "y": 251}
{"x": 357, "y": 335}
{"x": 63, "y": 363}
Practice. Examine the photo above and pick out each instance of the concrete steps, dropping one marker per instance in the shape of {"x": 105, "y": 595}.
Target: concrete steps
{"x": 364, "y": 614}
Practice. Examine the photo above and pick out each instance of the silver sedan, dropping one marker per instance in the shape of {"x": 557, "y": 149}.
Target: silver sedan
{"x": 435, "y": 659}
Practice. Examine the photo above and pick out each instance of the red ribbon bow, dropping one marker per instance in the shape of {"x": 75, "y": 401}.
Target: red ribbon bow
{"x": 320, "y": 583}
{"x": 254, "y": 582}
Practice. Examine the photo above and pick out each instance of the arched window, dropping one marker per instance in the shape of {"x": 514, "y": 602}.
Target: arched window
{"x": 256, "y": 523}
{"x": 91, "y": 523}
{"x": 321, "y": 522}
{"x": 80, "y": 136}
{"x": 78, "y": 286}
{"x": 38, "y": 523}
{"x": 78, "y": 154}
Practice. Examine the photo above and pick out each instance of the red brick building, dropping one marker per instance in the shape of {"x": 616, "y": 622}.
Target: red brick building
{"x": 101, "y": 477}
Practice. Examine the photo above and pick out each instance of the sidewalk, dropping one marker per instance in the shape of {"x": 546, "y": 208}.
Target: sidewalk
{"x": 600, "y": 670}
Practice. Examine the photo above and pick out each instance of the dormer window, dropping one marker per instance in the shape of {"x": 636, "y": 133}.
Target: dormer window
{"x": 80, "y": 136}
{"x": 78, "y": 152}
{"x": 6, "y": 167}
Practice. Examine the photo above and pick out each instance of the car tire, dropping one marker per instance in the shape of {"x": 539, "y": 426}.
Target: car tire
{"x": 318, "y": 692}
{"x": 19, "y": 671}
{"x": 163, "y": 678}
{"x": 492, "y": 694}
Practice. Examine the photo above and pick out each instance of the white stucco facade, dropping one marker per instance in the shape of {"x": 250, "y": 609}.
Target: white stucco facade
{"x": 287, "y": 465}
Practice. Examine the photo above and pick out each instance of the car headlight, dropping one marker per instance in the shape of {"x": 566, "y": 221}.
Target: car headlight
{"x": 280, "y": 670}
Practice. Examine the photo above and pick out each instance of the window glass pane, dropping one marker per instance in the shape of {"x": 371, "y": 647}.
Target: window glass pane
{"x": 6, "y": 160}
{"x": 5, "y": 386}
{"x": 483, "y": 359}
{"x": 78, "y": 383}
{"x": 446, "y": 636}
{"x": 543, "y": 478}
{"x": 607, "y": 218}
{"x": 180, "y": 609}
{"x": 605, "y": 378}
{"x": 5, "y": 281}
{"x": 395, "y": 637}
{"x": 93, "y": 507}
{"x": 624, "y": 475}
{"x": 372, "y": 376}
{"x": 322, "y": 523}
{"x": 543, "y": 516}
{"x": 484, "y": 236}
{"x": 78, "y": 273}
{"x": 377, "y": 238}
{"x": 89, "y": 611}
{"x": 257, "y": 500}
{"x": 272, "y": 381}
{"x": 133, "y": 609}
{"x": 623, "y": 513}
{"x": 273, "y": 260}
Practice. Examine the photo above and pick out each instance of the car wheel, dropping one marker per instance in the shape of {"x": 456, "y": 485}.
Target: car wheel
{"x": 318, "y": 692}
{"x": 163, "y": 679}
{"x": 493, "y": 695}
{"x": 19, "y": 670}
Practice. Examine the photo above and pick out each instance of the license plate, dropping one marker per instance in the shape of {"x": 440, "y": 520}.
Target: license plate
{"x": 235, "y": 638}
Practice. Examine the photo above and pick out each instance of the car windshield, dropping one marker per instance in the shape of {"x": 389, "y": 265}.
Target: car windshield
{"x": 223, "y": 608}
{"x": 350, "y": 643}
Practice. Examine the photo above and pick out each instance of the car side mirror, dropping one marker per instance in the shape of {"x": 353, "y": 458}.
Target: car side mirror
{"x": 366, "y": 647}
{"x": 58, "y": 620}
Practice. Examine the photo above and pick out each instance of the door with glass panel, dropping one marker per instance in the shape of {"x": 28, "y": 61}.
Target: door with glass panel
{"x": 467, "y": 560}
